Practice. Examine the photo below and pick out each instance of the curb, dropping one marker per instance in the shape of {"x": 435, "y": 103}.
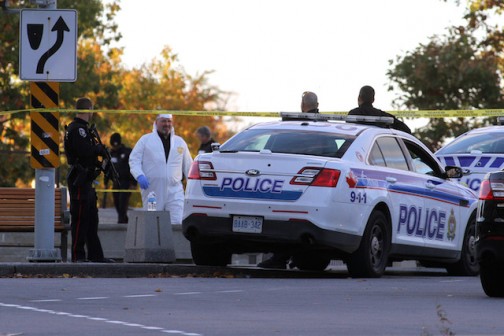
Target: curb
{"x": 140, "y": 270}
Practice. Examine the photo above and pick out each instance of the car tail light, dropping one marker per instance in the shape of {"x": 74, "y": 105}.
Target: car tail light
{"x": 491, "y": 190}
{"x": 202, "y": 170}
{"x": 317, "y": 177}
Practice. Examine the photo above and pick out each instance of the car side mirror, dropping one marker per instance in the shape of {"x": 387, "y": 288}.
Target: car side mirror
{"x": 215, "y": 146}
{"x": 453, "y": 172}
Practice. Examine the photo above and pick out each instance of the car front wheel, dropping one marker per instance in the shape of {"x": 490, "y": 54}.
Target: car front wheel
{"x": 468, "y": 263}
{"x": 370, "y": 260}
{"x": 492, "y": 278}
{"x": 310, "y": 262}
{"x": 210, "y": 255}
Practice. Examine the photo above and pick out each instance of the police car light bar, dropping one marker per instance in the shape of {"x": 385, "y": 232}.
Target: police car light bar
{"x": 300, "y": 116}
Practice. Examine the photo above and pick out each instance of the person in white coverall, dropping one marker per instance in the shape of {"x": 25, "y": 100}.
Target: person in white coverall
{"x": 159, "y": 161}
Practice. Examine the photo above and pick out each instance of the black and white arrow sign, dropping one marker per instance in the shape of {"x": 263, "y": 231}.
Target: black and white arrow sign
{"x": 48, "y": 45}
{"x": 61, "y": 27}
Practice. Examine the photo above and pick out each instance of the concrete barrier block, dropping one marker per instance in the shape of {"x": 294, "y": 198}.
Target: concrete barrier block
{"x": 149, "y": 237}
{"x": 113, "y": 240}
{"x": 182, "y": 245}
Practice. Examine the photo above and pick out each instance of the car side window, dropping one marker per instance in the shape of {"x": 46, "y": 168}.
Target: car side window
{"x": 422, "y": 162}
{"x": 376, "y": 156}
{"x": 391, "y": 154}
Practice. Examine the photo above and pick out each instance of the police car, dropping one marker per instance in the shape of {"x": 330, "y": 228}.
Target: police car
{"x": 322, "y": 190}
{"x": 490, "y": 234}
{"x": 478, "y": 151}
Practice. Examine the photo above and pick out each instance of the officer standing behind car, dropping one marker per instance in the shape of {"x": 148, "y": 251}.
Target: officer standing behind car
{"x": 279, "y": 260}
{"x": 309, "y": 102}
{"x": 365, "y": 100}
{"x": 205, "y": 137}
{"x": 120, "y": 158}
{"x": 82, "y": 153}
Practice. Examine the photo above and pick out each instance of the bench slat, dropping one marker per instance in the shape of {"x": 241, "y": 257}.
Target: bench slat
{"x": 17, "y": 210}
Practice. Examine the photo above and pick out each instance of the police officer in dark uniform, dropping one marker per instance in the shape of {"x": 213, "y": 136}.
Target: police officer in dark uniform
{"x": 279, "y": 260}
{"x": 365, "y": 100}
{"x": 205, "y": 137}
{"x": 120, "y": 158}
{"x": 82, "y": 153}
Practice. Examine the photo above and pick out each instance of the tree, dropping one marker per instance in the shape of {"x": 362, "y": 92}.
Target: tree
{"x": 160, "y": 84}
{"x": 454, "y": 71}
{"x": 163, "y": 84}
{"x": 14, "y": 93}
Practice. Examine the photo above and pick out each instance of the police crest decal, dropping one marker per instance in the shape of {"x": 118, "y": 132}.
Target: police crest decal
{"x": 452, "y": 226}
{"x": 82, "y": 132}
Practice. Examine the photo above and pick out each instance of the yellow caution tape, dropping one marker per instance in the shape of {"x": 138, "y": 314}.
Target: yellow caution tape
{"x": 402, "y": 114}
{"x": 117, "y": 190}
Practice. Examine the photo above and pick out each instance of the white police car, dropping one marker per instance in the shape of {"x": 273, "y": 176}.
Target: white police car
{"x": 322, "y": 190}
{"x": 478, "y": 151}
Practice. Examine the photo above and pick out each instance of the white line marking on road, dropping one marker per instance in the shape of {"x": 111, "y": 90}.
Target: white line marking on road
{"x": 96, "y": 318}
{"x": 173, "y": 331}
{"x": 447, "y": 281}
{"x": 231, "y": 291}
{"x": 139, "y": 295}
{"x": 93, "y": 298}
{"x": 187, "y": 293}
{"x": 47, "y": 300}
{"x": 99, "y": 319}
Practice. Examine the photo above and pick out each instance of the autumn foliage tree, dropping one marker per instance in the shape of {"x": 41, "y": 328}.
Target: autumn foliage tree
{"x": 159, "y": 84}
{"x": 460, "y": 70}
{"x": 162, "y": 84}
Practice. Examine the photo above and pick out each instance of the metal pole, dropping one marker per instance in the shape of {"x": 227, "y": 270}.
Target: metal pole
{"x": 44, "y": 208}
{"x": 44, "y": 217}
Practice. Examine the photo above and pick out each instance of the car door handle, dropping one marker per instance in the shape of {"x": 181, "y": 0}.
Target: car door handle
{"x": 430, "y": 185}
{"x": 390, "y": 179}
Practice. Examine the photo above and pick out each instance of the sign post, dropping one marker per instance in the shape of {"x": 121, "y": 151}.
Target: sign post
{"x": 47, "y": 56}
{"x": 44, "y": 158}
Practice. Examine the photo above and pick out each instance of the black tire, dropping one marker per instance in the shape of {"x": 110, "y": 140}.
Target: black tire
{"x": 371, "y": 259}
{"x": 310, "y": 261}
{"x": 468, "y": 263}
{"x": 210, "y": 255}
{"x": 492, "y": 279}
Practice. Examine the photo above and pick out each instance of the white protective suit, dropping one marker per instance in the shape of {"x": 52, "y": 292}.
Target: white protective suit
{"x": 165, "y": 178}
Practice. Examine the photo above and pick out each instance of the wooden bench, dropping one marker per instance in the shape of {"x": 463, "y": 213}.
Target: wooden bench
{"x": 17, "y": 213}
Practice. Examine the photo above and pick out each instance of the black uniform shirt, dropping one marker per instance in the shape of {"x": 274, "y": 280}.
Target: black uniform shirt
{"x": 120, "y": 159}
{"x": 369, "y": 110}
{"x": 166, "y": 144}
{"x": 79, "y": 145}
{"x": 206, "y": 147}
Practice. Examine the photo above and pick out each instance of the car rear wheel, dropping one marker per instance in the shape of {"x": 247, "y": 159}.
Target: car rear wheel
{"x": 492, "y": 278}
{"x": 370, "y": 260}
{"x": 210, "y": 255}
{"x": 468, "y": 263}
{"x": 310, "y": 261}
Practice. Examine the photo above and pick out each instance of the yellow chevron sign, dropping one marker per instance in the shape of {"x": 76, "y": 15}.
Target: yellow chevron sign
{"x": 45, "y": 137}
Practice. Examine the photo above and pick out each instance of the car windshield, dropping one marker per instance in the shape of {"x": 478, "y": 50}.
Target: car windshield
{"x": 492, "y": 142}
{"x": 290, "y": 142}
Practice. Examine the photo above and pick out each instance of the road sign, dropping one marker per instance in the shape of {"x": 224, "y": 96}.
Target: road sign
{"x": 45, "y": 137}
{"x": 48, "y": 45}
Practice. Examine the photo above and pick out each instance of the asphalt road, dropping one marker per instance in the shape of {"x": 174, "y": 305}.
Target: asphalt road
{"x": 397, "y": 304}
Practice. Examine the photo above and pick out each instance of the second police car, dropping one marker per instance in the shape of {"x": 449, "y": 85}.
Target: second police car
{"x": 478, "y": 151}
{"x": 322, "y": 190}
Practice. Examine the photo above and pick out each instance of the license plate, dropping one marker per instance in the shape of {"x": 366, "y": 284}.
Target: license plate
{"x": 247, "y": 224}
